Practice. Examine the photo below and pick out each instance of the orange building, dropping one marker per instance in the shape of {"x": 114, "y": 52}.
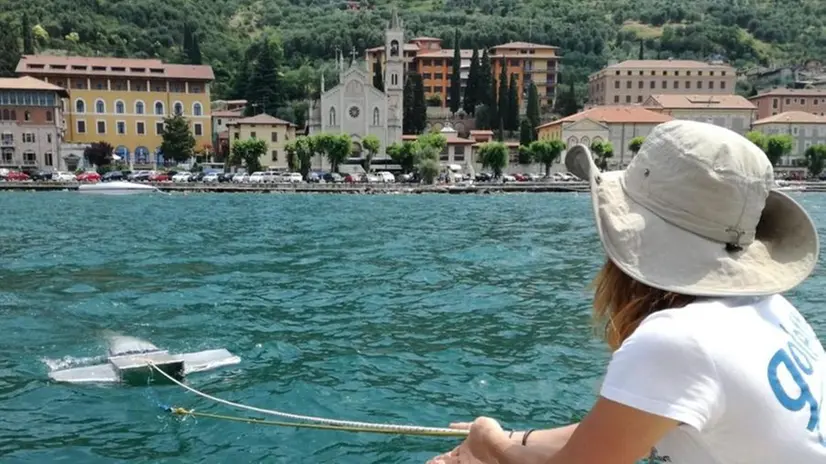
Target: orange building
{"x": 529, "y": 62}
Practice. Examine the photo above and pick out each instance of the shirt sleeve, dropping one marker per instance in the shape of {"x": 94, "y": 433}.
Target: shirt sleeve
{"x": 662, "y": 369}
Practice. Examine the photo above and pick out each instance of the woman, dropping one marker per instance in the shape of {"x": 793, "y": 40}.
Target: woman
{"x": 710, "y": 364}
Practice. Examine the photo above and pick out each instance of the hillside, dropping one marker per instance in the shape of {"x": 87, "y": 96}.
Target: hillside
{"x": 590, "y": 32}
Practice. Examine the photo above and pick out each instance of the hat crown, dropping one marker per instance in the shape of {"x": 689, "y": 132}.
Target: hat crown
{"x": 703, "y": 178}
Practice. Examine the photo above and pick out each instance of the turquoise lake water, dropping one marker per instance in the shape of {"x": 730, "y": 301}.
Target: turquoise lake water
{"x": 409, "y": 309}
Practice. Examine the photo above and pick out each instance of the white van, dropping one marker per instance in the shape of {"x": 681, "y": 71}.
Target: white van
{"x": 385, "y": 177}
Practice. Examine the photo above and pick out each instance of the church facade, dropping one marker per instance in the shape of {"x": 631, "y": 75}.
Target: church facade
{"x": 355, "y": 107}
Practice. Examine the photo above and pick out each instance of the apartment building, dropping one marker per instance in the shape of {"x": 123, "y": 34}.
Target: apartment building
{"x": 124, "y": 101}
{"x": 614, "y": 124}
{"x": 783, "y": 100}
{"x": 730, "y": 111}
{"x": 806, "y": 129}
{"x": 528, "y": 61}
{"x": 633, "y": 81}
{"x": 31, "y": 122}
{"x": 276, "y": 132}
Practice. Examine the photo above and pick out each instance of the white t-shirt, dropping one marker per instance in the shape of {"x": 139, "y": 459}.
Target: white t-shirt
{"x": 745, "y": 377}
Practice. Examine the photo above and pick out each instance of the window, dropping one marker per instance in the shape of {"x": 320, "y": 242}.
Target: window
{"x": 788, "y": 101}
{"x": 6, "y": 116}
{"x": 722, "y": 84}
{"x": 159, "y": 128}
{"x": 688, "y": 84}
{"x": 139, "y": 109}
{"x": 81, "y": 127}
{"x": 179, "y": 108}
{"x": 376, "y": 118}
{"x": 13, "y": 115}
{"x": 394, "y": 79}
{"x": 252, "y": 134}
{"x": 665, "y": 84}
{"x": 140, "y": 128}
{"x": 101, "y": 127}
{"x": 49, "y": 117}
{"x": 196, "y": 109}
{"x": 159, "y": 108}
{"x": 652, "y": 85}
{"x": 29, "y": 158}
{"x": 100, "y": 107}
{"x": 627, "y": 84}
{"x": 639, "y": 98}
{"x": 616, "y": 84}
{"x": 274, "y": 137}
{"x": 120, "y": 108}
{"x": 48, "y": 138}
{"x": 616, "y": 98}
{"x": 194, "y": 89}
{"x": 27, "y": 116}
{"x": 28, "y": 137}
{"x": 121, "y": 127}
{"x": 710, "y": 84}
{"x": 640, "y": 84}
{"x": 676, "y": 84}
{"x": 274, "y": 155}
{"x": 80, "y": 106}
{"x": 459, "y": 153}
{"x": 699, "y": 84}
{"x": 774, "y": 103}
{"x": 236, "y": 135}
{"x": 7, "y": 155}
{"x": 628, "y": 99}
{"x": 199, "y": 130}
{"x": 332, "y": 116}
{"x": 48, "y": 159}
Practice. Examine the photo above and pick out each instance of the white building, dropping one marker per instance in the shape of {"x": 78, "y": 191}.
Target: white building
{"x": 730, "y": 111}
{"x": 806, "y": 129}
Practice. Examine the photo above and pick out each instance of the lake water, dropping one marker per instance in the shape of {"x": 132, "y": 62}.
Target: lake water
{"x": 410, "y": 309}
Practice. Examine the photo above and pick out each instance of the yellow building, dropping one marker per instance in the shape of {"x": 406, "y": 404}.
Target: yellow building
{"x": 276, "y": 132}
{"x": 124, "y": 101}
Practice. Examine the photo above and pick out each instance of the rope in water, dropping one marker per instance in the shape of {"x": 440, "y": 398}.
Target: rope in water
{"x": 315, "y": 422}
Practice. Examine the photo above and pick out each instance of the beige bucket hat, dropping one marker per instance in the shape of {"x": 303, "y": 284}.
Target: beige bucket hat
{"x": 696, "y": 213}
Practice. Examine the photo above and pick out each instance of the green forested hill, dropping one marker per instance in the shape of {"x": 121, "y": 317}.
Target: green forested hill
{"x": 590, "y": 32}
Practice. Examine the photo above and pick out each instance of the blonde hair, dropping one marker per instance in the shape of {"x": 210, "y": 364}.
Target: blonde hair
{"x": 621, "y": 303}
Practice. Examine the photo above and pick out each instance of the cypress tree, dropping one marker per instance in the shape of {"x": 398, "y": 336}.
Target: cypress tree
{"x": 504, "y": 100}
{"x": 419, "y": 104}
{"x": 484, "y": 94}
{"x": 28, "y": 40}
{"x": 513, "y": 104}
{"x": 378, "y": 76}
{"x": 493, "y": 111}
{"x": 187, "y": 43}
{"x": 9, "y": 49}
{"x": 455, "y": 91}
{"x": 472, "y": 88}
{"x": 194, "y": 53}
{"x": 265, "y": 89}
{"x": 408, "y": 123}
{"x": 532, "y": 111}
{"x": 525, "y": 133}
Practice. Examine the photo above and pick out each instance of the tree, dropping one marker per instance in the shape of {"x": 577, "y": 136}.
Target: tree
{"x": 28, "y": 40}
{"x": 429, "y": 168}
{"x": 178, "y": 143}
{"x": 602, "y": 152}
{"x": 455, "y": 90}
{"x": 757, "y": 138}
{"x": 371, "y": 145}
{"x": 264, "y": 89}
{"x": 482, "y": 120}
{"x": 486, "y": 87}
{"x": 405, "y": 154}
{"x": 99, "y": 153}
{"x": 815, "y": 159}
{"x": 525, "y": 155}
{"x": 419, "y": 104}
{"x": 378, "y": 76}
{"x": 494, "y": 155}
{"x": 635, "y": 144}
{"x": 504, "y": 101}
{"x": 525, "y": 133}
{"x": 408, "y": 120}
{"x": 9, "y": 49}
{"x": 470, "y": 99}
{"x": 248, "y": 153}
{"x": 194, "y": 53}
{"x": 545, "y": 152}
{"x": 567, "y": 103}
{"x": 512, "y": 122}
{"x": 532, "y": 111}
{"x": 292, "y": 156}
{"x": 337, "y": 148}
{"x": 300, "y": 155}
{"x": 778, "y": 146}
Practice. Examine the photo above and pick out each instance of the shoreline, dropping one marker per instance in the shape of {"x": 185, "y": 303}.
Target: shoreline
{"x": 363, "y": 189}
{"x": 368, "y": 189}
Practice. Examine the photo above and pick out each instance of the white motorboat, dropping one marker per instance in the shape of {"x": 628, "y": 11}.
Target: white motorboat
{"x": 116, "y": 188}
{"x": 128, "y": 363}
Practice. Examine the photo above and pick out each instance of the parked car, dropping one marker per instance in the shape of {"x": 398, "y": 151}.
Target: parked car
{"x": 140, "y": 176}
{"x": 385, "y": 177}
{"x": 39, "y": 174}
{"x": 63, "y": 176}
{"x": 293, "y": 178}
{"x": 484, "y": 177}
{"x": 112, "y": 175}
{"x": 241, "y": 178}
{"x": 333, "y": 177}
{"x": 89, "y": 176}
{"x": 17, "y": 176}
{"x": 371, "y": 178}
{"x": 158, "y": 177}
{"x": 212, "y": 177}
{"x": 182, "y": 177}
{"x": 257, "y": 177}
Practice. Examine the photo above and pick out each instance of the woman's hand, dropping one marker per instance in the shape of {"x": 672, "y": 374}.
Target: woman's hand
{"x": 478, "y": 447}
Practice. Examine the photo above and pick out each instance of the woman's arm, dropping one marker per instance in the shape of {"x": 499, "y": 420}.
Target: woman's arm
{"x": 611, "y": 432}
{"x": 545, "y": 442}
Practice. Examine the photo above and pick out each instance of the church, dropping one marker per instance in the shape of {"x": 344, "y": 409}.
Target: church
{"x": 357, "y": 108}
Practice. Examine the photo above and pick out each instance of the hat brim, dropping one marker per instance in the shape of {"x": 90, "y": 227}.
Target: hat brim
{"x": 664, "y": 256}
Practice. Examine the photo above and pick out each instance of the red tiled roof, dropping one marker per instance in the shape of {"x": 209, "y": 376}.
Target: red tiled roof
{"x": 425, "y": 39}
{"x": 646, "y": 64}
{"x": 685, "y": 101}
{"x": 30, "y": 83}
{"x": 227, "y": 114}
{"x": 262, "y": 118}
{"x": 783, "y": 92}
{"x": 792, "y": 117}
{"x": 451, "y": 139}
{"x": 446, "y": 53}
{"x": 127, "y": 67}
{"x": 615, "y": 115}
{"x": 526, "y": 45}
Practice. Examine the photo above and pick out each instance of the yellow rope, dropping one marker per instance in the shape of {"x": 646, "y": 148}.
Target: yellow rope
{"x": 425, "y": 433}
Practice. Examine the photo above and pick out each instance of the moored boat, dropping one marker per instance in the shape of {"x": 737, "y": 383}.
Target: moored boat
{"x": 116, "y": 188}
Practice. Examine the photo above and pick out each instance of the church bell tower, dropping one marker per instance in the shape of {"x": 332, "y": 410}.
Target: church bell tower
{"x": 394, "y": 74}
